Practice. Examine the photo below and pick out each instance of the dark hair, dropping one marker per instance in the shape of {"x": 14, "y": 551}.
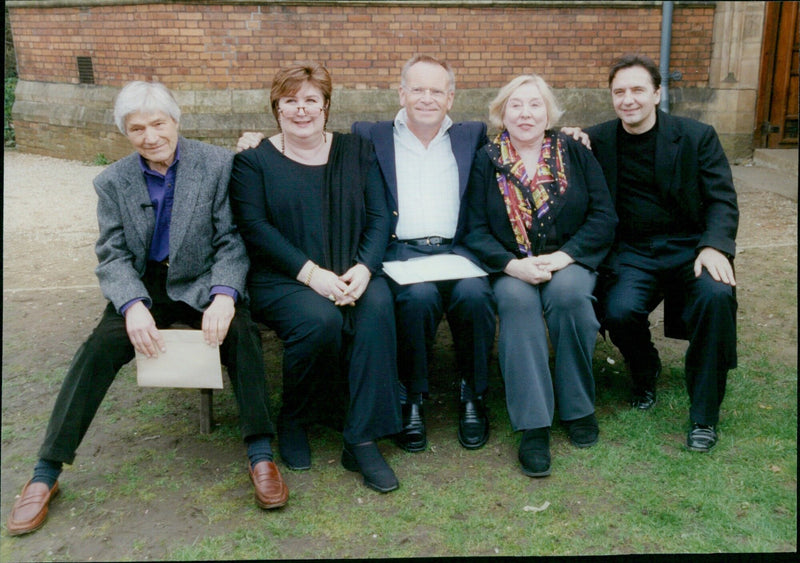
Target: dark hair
{"x": 643, "y": 61}
{"x": 288, "y": 81}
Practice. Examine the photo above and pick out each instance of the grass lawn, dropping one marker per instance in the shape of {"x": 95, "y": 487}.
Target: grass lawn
{"x": 147, "y": 486}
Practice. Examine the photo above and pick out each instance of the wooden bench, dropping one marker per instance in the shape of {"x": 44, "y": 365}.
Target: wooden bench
{"x": 207, "y": 395}
{"x": 206, "y": 411}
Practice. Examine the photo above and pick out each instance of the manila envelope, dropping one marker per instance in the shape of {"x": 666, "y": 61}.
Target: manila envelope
{"x": 188, "y": 362}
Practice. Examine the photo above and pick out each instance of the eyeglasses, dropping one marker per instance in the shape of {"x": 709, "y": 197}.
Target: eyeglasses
{"x": 291, "y": 109}
{"x": 417, "y": 92}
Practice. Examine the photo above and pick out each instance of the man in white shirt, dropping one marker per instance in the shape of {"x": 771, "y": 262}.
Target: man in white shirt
{"x": 425, "y": 159}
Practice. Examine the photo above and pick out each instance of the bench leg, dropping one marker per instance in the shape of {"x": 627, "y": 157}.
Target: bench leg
{"x": 206, "y": 410}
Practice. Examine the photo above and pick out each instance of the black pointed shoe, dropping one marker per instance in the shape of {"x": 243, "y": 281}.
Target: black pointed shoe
{"x": 473, "y": 424}
{"x": 367, "y": 459}
{"x": 412, "y": 438}
{"x": 293, "y": 445}
{"x": 701, "y": 437}
{"x": 534, "y": 452}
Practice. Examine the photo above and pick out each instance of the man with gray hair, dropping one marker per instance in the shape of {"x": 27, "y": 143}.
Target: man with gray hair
{"x": 168, "y": 252}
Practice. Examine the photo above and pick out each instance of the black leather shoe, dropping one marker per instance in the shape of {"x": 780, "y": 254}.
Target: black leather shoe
{"x": 583, "y": 432}
{"x": 293, "y": 445}
{"x": 367, "y": 459}
{"x": 412, "y": 438}
{"x": 534, "y": 452}
{"x": 644, "y": 390}
{"x": 473, "y": 424}
{"x": 701, "y": 438}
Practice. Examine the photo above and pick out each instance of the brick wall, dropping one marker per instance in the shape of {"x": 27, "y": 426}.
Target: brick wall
{"x": 220, "y": 56}
{"x": 241, "y": 45}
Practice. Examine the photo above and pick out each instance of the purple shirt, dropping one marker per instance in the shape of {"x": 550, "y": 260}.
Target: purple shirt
{"x": 162, "y": 193}
{"x": 161, "y": 188}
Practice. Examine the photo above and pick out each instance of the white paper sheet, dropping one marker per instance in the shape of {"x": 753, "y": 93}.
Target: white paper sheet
{"x": 188, "y": 362}
{"x": 432, "y": 268}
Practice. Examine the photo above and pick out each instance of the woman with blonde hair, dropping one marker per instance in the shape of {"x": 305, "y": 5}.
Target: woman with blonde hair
{"x": 541, "y": 220}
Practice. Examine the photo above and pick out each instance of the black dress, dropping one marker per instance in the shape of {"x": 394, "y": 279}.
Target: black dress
{"x": 335, "y": 215}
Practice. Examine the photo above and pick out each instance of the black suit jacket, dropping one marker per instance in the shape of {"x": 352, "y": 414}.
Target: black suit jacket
{"x": 465, "y": 139}
{"x": 691, "y": 164}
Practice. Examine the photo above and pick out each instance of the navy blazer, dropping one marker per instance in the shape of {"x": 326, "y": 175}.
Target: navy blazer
{"x": 465, "y": 139}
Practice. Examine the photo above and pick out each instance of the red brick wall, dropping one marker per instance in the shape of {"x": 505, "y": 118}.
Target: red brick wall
{"x": 208, "y": 46}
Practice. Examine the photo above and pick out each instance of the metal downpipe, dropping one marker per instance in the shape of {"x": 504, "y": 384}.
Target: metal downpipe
{"x": 663, "y": 59}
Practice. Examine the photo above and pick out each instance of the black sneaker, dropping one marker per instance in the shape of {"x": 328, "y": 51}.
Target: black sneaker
{"x": 701, "y": 437}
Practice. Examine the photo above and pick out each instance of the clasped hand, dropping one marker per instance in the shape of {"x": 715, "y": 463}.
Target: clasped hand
{"x": 538, "y": 269}
{"x": 342, "y": 290}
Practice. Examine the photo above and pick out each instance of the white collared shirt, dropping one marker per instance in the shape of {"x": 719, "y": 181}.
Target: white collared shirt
{"x": 427, "y": 183}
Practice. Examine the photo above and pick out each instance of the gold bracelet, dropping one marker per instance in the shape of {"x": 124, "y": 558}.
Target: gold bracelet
{"x": 313, "y": 269}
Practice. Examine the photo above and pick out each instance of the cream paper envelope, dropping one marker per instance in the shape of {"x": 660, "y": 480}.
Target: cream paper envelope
{"x": 188, "y": 362}
{"x": 432, "y": 268}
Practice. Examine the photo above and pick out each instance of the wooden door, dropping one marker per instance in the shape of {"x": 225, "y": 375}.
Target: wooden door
{"x": 777, "y": 114}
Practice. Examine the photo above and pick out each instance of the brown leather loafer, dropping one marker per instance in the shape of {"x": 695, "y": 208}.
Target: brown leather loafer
{"x": 271, "y": 491}
{"x": 30, "y": 508}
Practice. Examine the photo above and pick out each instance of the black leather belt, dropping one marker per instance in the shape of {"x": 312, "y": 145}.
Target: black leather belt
{"x": 427, "y": 241}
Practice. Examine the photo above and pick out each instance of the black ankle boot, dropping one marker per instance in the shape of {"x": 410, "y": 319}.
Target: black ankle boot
{"x": 534, "y": 452}
{"x": 367, "y": 459}
{"x": 583, "y": 432}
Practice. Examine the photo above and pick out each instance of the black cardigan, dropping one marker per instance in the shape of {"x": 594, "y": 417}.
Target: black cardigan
{"x": 584, "y": 225}
{"x": 353, "y": 211}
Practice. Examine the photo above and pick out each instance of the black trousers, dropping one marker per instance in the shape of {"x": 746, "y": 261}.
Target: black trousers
{"x": 333, "y": 355}
{"x": 470, "y": 308}
{"x": 98, "y": 360}
{"x": 644, "y": 271}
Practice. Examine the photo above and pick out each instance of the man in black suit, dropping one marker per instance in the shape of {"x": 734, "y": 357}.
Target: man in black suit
{"x": 678, "y": 214}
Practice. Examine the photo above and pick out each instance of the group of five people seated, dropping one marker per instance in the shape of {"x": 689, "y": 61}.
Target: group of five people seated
{"x": 294, "y": 230}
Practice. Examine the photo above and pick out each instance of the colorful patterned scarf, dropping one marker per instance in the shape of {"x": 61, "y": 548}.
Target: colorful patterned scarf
{"x": 523, "y": 195}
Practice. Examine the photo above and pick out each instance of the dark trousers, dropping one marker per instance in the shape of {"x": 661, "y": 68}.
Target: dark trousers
{"x": 644, "y": 272}
{"x": 98, "y": 360}
{"x": 470, "y": 308}
{"x": 325, "y": 346}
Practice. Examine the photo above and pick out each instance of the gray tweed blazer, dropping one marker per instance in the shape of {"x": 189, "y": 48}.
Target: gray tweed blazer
{"x": 205, "y": 248}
